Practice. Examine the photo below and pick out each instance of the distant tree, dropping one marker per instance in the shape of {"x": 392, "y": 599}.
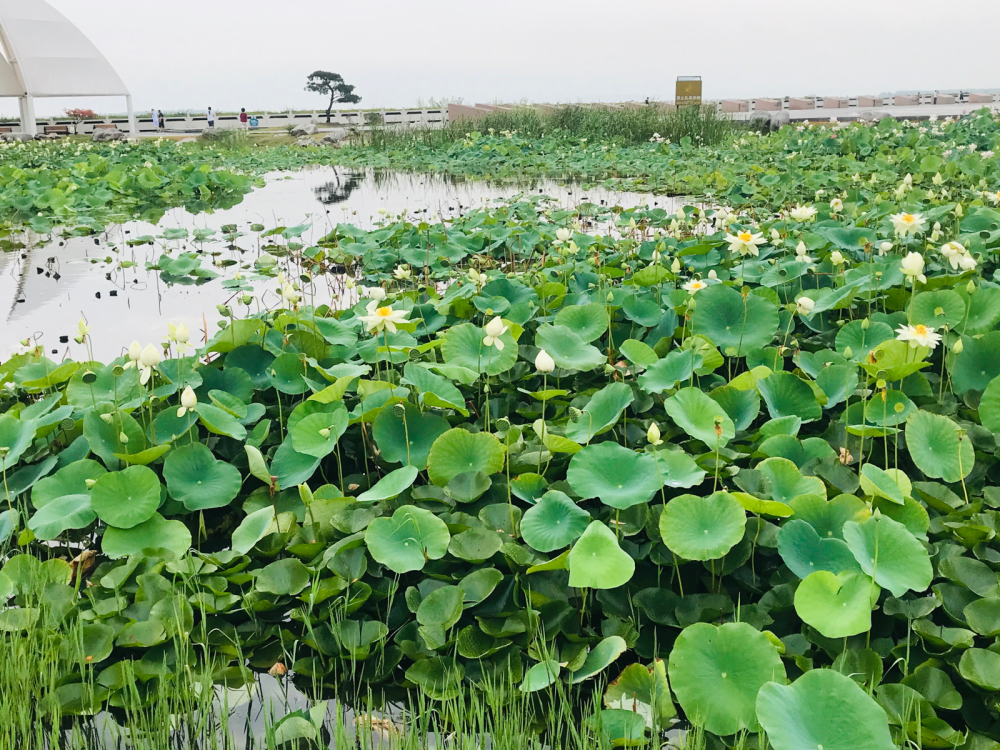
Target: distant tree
{"x": 79, "y": 115}
{"x": 332, "y": 85}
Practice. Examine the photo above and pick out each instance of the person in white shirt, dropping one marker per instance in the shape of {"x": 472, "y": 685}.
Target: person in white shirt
{"x": 211, "y": 118}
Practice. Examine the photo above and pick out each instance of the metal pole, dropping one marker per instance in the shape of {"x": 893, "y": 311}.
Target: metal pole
{"x": 133, "y": 128}
{"x": 31, "y": 126}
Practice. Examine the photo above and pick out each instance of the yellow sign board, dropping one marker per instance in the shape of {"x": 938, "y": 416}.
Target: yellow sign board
{"x": 688, "y": 91}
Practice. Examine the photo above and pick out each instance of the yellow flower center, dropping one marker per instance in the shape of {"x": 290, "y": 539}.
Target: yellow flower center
{"x": 908, "y": 218}
{"x": 698, "y": 285}
{"x": 920, "y": 330}
{"x": 384, "y": 312}
{"x": 745, "y": 236}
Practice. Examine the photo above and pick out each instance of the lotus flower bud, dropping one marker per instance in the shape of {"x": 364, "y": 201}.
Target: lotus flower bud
{"x": 150, "y": 356}
{"x": 712, "y": 274}
{"x": 653, "y": 434}
{"x": 865, "y": 323}
{"x": 188, "y": 398}
{"x": 848, "y": 353}
{"x": 123, "y": 438}
{"x": 675, "y": 267}
{"x": 495, "y": 328}
{"x": 134, "y": 351}
{"x": 543, "y": 362}
{"x": 324, "y": 433}
{"x": 959, "y": 347}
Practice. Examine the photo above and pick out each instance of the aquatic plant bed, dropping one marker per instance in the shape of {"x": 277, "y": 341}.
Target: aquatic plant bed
{"x": 617, "y": 471}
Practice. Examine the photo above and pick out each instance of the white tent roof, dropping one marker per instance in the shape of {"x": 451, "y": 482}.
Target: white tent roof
{"x": 49, "y": 56}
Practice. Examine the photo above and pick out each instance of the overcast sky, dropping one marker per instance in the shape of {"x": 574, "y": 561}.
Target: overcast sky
{"x": 186, "y": 54}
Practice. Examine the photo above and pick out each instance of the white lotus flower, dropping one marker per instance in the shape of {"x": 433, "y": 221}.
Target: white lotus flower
{"x": 746, "y": 242}
{"x": 543, "y": 362}
{"x": 149, "y": 358}
{"x": 802, "y": 213}
{"x": 188, "y": 401}
{"x": 802, "y": 253}
{"x": 402, "y": 273}
{"x": 82, "y": 328}
{"x": 382, "y": 317}
{"x": 913, "y": 267}
{"x": 804, "y": 305}
{"x": 477, "y": 278}
{"x": 837, "y": 258}
{"x": 563, "y": 235}
{"x": 885, "y": 247}
{"x": 906, "y": 223}
{"x": 494, "y": 330}
{"x": 693, "y": 286}
{"x": 134, "y": 352}
{"x": 995, "y": 197}
{"x": 918, "y": 335}
{"x": 653, "y": 435}
{"x": 374, "y": 293}
{"x": 675, "y": 267}
{"x": 712, "y": 274}
{"x": 289, "y": 294}
{"x": 836, "y": 205}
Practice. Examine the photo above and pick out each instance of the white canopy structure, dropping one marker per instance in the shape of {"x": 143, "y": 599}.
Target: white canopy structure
{"x": 47, "y": 56}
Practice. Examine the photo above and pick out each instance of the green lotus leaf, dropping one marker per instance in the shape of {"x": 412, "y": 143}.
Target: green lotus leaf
{"x": 936, "y": 448}
{"x": 198, "y": 480}
{"x": 391, "y": 485}
{"x": 716, "y": 673}
{"x": 828, "y": 516}
{"x": 742, "y": 406}
{"x": 838, "y": 605}
{"x": 568, "y": 350}
{"x": 442, "y": 607}
{"x": 407, "y": 439}
{"x": 586, "y": 321}
{"x": 553, "y": 522}
{"x": 15, "y": 438}
{"x": 890, "y": 554}
{"x": 666, "y": 373}
{"x": 408, "y": 539}
{"x": 838, "y": 382}
{"x": 788, "y": 395}
{"x": 787, "y": 482}
{"x": 763, "y": 507}
{"x": 983, "y": 616}
{"x": 459, "y": 451}
{"x": 981, "y": 668}
{"x": 984, "y": 310}
{"x": 475, "y": 545}
{"x": 317, "y": 434}
{"x": 600, "y": 657}
{"x": 126, "y": 498}
{"x": 540, "y": 676}
{"x": 67, "y": 512}
{"x": 989, "y": 406}
{"x": 529, "y": 487}
{"x": 618, "y": 476}
{"x": 894, "y": 360}
{"x": 942, "y": 307}
{"x": 480, "y": 584}
{"x": 639, "y": 354}
{"x": 702, "y": 528}
{"x": 434, "y": 390}
{"x": 220, "y": 422}
{"x": 977, "y": 365}
{"x": 291, "y": 467}
{"x": 597, "y": 562}
{"x": 678, "y": 469}
{"x": 71, "y": 479}
{"x": 286, "y": 373}
{"x": 861, "y": 340}
{"x": 805, "y": 552}
{"x": 463, "y": 345}
{"x": 602, "y": 412}
{"x": 468, "y": 487}
{"x": 283, "y": 578}
{"x": 252, "y": 529}
{"x": 728, "y": 319}
{"x": 822, "y": 709}
{"x": 698, "y": 415}
{"x": 936, "y": 686}
{"x": 157, "y": 532}
{"x": 439, "y": 677}
{"x": 878, "y": 483}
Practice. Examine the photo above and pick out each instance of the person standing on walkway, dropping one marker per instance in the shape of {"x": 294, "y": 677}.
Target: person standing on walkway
{"x": 244, "y": 119}
{"x": 211, "y": 118}
{"x": 156, "y": 118}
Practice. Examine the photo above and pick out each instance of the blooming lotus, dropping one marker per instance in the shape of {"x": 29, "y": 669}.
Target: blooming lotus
{"x": 382, "y": 317}
{"x": 746, "y": 242}
{"x": 494, "y": 330}
{"x": 563, "y": 235}
{"x": 918, "y": 335}
{"x": 693, "y": 286}
{"x": 836, "y": 205}
{"x": 913, "y": 268}
{"x": 804, "y": 305}
{"x": 802, "y": 213}
{"x": 837, "y": 258}
{"x": 907, "y": 223}
{"x": 402, "y": 273}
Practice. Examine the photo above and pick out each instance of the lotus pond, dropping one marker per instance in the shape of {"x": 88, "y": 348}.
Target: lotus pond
{"x": 545, "y": 473}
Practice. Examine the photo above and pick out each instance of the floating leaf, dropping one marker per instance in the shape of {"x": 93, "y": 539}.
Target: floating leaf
{"x": 837, "y": 605}
{"x": 198, "y": 480}
{"x": 619, "y": 477}
{"x": 126, "y": 498}
{"x": 702, "y": 528}
{"x": 553, "y": 522}
{"x": 408, "y": 539}
{"x": 699, "y": 416}
{"x": 890, "y": 554}
{"x": 935, "y": 447}
{"x": 597, "y": 562}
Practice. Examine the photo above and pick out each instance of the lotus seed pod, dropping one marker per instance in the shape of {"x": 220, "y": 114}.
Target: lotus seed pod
{"x": 503, "y": 424}
{"x": 399, "y": 410}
